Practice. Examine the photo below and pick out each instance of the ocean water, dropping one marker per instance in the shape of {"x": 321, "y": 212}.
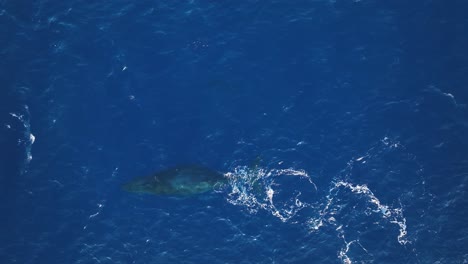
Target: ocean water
{"x": 341, "y": 125}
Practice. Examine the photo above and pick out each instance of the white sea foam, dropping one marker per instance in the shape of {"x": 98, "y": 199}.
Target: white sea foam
{"x": 257, "y": 189}
{"x": 395, "y": 215}
{"x": 28, "y": 138}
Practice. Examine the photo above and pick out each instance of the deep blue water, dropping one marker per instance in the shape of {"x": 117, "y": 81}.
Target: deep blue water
{"x": 353, "y": 114}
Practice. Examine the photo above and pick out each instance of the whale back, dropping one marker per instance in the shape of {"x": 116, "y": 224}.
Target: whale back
{"x": 179, "y": 180}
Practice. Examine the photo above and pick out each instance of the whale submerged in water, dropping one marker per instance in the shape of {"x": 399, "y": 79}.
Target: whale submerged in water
{"x": 178, "y": 181}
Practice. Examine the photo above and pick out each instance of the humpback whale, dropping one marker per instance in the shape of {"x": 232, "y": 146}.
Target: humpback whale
{"x": 178, "y": 181}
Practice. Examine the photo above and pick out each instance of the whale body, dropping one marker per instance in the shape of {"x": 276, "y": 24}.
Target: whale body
{"x": 179, "y": 181}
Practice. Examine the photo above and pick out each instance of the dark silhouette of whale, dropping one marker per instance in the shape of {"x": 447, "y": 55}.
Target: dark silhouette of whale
{"x": 178, "y": 181}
